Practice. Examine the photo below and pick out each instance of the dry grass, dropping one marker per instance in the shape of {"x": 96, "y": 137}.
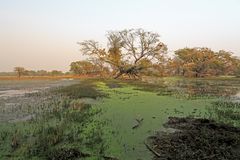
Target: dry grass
{"x": 47, "y": 77}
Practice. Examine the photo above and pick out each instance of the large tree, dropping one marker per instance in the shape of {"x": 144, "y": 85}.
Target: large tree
{"x": 82, "y": 67}
{"x": 228, "y": 62}
{"x": 128, "y": 52}
{"x": 195, "y": 61}
{"x": 200, "y": 62}
{"x": 56, "y": 73}
{"x": 237, "y": 72}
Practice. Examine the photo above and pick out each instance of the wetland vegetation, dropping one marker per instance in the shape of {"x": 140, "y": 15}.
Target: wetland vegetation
{"x": 114, "y": 119}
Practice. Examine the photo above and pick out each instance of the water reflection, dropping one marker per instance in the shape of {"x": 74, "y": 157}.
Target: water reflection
{"x": 13, "y": 93}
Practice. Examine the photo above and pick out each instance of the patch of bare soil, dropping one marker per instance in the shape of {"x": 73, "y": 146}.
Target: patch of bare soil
{"x": 66, "y": 154}
{"x": 199, "y": 139}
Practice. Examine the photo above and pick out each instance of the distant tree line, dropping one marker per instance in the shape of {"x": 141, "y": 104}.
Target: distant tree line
{"x": 136, "y": 52}
{"x": 21, "y": 71}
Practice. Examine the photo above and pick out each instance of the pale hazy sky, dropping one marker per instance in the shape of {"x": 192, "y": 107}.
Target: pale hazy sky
{"x": 42, "y": 34}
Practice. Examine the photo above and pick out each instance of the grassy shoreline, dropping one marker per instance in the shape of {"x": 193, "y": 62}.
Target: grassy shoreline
{"x": 106, "y": 128}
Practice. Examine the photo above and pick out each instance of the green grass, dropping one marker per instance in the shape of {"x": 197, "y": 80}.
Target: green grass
{"x": 55, "y": 131}
{"x": 227, "y": 112}
{"x": 38, "y": 140}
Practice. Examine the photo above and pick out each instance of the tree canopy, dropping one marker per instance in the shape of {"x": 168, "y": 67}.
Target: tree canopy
{"x": 82, "y": 67}
{"x": 127, "y": 52}
{"x": 134, "y": 52}
{"x": 201, "y": 62}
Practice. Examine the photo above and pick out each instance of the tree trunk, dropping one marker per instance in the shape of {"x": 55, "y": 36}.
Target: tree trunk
{"x": 118, "y": 75}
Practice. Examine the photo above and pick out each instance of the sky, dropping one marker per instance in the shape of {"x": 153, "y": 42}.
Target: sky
{"x": 43, "y": 34}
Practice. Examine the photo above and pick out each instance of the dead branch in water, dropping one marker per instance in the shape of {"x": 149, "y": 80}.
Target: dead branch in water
{"x": 152, "y": 150}
{"x": 139, "y": 122}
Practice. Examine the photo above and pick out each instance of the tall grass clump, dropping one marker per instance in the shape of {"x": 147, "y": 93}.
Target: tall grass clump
{"x": 82, "y": 90}
{"x": 226, "y": 112}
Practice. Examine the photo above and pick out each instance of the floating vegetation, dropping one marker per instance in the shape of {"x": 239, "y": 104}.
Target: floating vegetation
{"x": 226, "y": 111}
{"x": 106, "y": 119}
{"x": 190, "y": 88}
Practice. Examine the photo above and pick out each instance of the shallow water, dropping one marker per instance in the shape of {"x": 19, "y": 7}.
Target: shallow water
{"x": 175, "y": 98}
{"x": 122, "y": 109}
{"x": 14, "y": 93}
{"x": 18, "y": 98}
{"x": 185, "y": 97}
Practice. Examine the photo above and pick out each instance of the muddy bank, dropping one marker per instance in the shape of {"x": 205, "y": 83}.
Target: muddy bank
{"x": 200, "y": 139}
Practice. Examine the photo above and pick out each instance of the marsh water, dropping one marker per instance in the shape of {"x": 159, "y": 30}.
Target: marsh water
{"x": 154, "y": 104}
{"x": 128, "y": 102}
{"x": 18, "y": 97}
